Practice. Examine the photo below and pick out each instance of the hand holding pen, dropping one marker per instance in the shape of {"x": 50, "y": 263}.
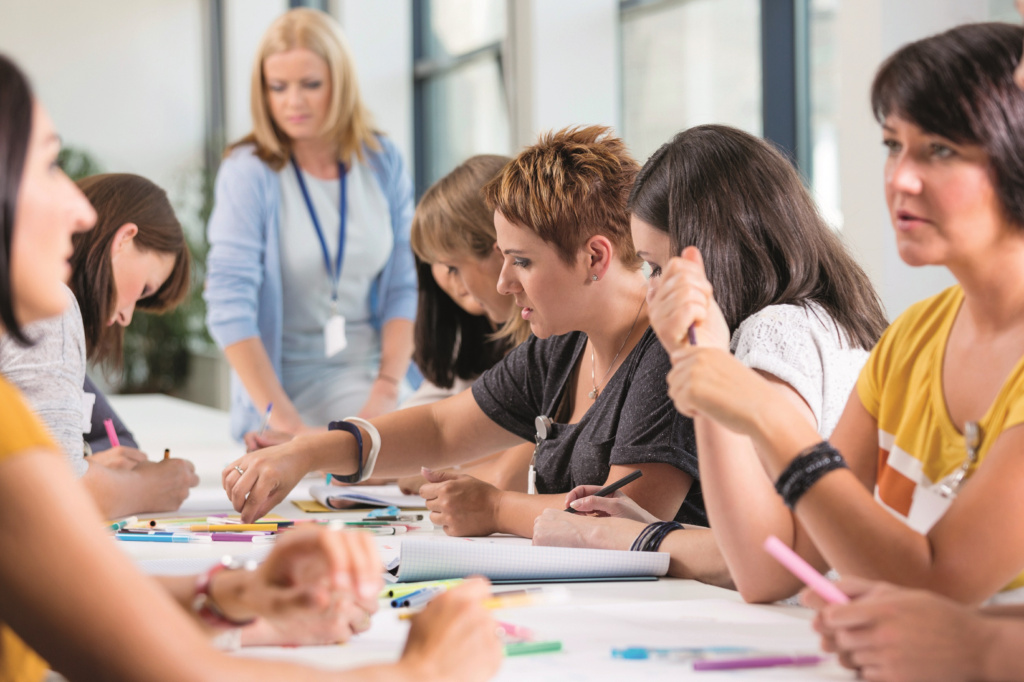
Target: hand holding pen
{"x": 681, "y": 303}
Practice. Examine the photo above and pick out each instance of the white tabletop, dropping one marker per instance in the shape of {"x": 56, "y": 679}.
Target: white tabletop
{"x": 600, "y": 616}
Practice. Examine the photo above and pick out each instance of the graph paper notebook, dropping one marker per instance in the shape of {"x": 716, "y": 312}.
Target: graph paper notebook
{"x": 350, "y": 497}
{"x": 425, "y": 560}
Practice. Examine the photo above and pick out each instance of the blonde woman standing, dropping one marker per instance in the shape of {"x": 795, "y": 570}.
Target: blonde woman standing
{"x": 311, "y": 285}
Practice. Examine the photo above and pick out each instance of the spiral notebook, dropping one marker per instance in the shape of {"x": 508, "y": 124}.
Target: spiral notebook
{"x": 421, "y": 560}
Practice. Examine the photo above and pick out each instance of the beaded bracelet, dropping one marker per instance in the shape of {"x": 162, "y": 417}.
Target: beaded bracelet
{"x": 805, "y": 470}
{"x": 651, "y": 537}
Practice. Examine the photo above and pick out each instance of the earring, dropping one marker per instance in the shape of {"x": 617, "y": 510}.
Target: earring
{"x": 593, "y": 277}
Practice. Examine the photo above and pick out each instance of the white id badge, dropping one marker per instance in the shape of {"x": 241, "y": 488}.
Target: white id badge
{"x": 334, "y": 336}
{"x": 88, "y": 401}
{"x": 927, "y": 508}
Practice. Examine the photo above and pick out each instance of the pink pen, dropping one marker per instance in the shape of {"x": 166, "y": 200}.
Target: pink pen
{"x": 803, "y": 570}
{"x": 111, "y": 433}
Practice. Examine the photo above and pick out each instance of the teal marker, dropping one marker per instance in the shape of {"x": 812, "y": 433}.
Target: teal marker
{"x": 133, "y": 537}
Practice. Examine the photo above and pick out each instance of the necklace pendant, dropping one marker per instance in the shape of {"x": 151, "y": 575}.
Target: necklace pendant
{"x": 593, "y": 394}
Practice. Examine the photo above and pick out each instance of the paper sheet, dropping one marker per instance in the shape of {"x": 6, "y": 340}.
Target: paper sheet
{"x": 424, "y": 560}
{"x": 354, "y": 497}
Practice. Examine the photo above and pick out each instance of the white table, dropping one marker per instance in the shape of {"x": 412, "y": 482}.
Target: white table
{"x": 600, "y": 616}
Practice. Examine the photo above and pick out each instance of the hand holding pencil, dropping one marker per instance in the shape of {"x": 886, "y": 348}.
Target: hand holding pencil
{"x": 681, "y": 300}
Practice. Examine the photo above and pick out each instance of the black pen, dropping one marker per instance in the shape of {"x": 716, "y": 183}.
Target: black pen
{"x": 612, "y": 487}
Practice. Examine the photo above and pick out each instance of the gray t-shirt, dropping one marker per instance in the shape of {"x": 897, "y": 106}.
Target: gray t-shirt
{"x": 50, "y": 374}
{"x": 633, "y": 420}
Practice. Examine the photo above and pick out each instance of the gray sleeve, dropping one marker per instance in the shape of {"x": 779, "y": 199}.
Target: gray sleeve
{"x": 49, "y": 375}
{"x": 97, "y": 437}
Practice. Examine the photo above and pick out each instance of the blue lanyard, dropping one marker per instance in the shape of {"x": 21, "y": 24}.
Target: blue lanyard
{"x": 335, "y": 272}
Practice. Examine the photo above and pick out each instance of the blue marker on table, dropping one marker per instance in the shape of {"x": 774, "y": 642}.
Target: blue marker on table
{"x": 419, "y": 597}
{"x": 642, "y": 653}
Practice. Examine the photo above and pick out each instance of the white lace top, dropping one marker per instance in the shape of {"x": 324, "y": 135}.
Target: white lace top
{"x": 806, "y": 349}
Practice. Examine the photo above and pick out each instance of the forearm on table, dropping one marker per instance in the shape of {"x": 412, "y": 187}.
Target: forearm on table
{"x": 438, "y": 435}
{"x": 249, "y": 359}
{"x": 116, "y": 492}
{"x": 506, "y": 470}
{"x": 743, "y": 509}
{"x": 518, "y": 511}
{"x": 694, "y": 555}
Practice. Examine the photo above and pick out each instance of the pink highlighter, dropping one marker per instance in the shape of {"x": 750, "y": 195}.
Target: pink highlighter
{"x": 803, "y": 570}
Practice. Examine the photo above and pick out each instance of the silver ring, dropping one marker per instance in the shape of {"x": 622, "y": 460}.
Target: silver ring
{"x": 240, "y": 470}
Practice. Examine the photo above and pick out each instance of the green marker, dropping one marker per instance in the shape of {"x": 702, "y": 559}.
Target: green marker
{"x": 527, "y": 648}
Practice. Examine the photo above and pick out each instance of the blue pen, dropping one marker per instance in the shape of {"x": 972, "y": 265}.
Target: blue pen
{"x": 132, "y": 537}
{"x": 418, "y": 598}
{"x": 640, "y": 653}
{"x": 266, "y": 418}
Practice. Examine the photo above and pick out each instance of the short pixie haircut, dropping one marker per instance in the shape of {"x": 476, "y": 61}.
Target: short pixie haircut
{"x": 959, "y": 84}
{"x": 570, "y": 186}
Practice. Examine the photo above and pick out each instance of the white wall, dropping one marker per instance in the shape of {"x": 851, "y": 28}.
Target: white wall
{"x": 869, "y": 31}
{"x": 122, "y": 79}
{"x": 380, "y": 35}
{"x": 567, "y": 65}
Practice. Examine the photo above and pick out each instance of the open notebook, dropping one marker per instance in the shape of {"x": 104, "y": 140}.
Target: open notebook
{"x": 426, "y": 560}
{"x": 349, "y": 497}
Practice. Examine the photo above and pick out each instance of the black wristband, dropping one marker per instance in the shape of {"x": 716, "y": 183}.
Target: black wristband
{"x": 805, "y": 470}
{"x": 651, "y": 537}
{"x": 354, "y": 430}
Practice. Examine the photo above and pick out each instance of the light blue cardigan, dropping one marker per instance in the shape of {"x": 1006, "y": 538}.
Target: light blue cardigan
{"x": 243, "y": 289}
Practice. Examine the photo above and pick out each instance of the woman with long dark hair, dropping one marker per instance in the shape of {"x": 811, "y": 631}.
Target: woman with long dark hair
{"x": 787, "y": 300}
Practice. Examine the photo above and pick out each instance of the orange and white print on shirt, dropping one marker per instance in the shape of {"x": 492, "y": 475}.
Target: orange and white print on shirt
{"x": 919, "y": 446}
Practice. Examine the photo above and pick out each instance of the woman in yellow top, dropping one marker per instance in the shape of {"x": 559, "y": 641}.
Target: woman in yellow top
{"x": 78, "y": 601}
{"x": 920, "y": 484}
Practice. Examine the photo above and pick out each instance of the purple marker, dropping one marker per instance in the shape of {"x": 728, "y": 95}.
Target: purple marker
{"x": 755, "y": 662}
{"x": 691, "y": 335}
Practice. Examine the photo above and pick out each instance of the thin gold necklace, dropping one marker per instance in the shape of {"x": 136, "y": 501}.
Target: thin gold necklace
{"x": 593, "y": 363}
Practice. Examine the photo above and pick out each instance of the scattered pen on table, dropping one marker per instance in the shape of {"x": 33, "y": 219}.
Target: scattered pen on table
{"x": 612, "y": 487}
{"x": 118, "y": 525}
{"x": 231, "y": 527}
{"x": 526, "y": 648}
{"x": 501, "y": 601}
{"x": 409, "y": 588}
{"x": 111, "y": 433}
{"x": 762, "y": 661}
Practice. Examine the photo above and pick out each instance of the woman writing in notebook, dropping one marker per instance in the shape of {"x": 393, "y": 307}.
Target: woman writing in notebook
{"x": 316, "y": 585}
{"x": 919, "y": 483}
{"x": 795, "y": 308}
{"x": 592, "y": 376}
{"x": 135, "y": 257}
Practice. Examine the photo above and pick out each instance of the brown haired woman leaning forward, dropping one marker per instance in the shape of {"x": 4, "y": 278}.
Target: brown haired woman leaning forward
{"x": 72, "y": 598}
{"x": 135, "y": 256}
{"x": 594, "y": 370}
{"x": 920, "y": 484}
{"x": 311, "y": 285}
{"x": 795, "y": 308}
{"x": 464, "y": 326}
